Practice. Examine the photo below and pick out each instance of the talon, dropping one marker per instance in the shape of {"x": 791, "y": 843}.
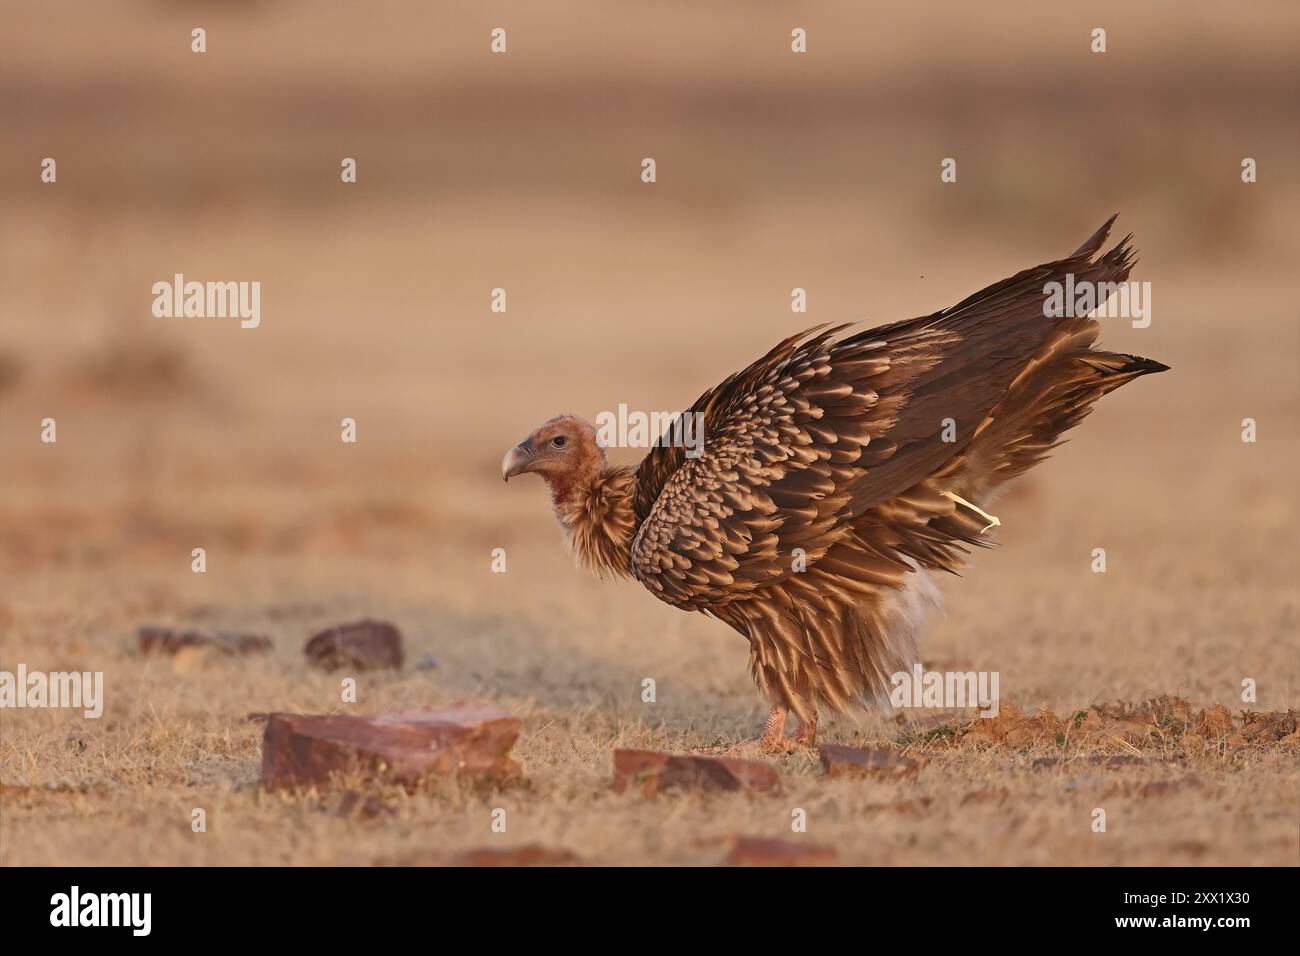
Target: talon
{"x": 994, "y": 520}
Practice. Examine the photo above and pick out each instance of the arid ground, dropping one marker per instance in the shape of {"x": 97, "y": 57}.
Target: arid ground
{"x": 522, "y": 171}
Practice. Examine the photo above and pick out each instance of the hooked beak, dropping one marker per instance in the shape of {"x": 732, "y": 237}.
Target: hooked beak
{"x": 517, "y": 460}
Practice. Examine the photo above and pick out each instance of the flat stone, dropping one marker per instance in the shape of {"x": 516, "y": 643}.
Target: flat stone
{"x": 841, "y": 761}
{"x": 918, "y": 806}
{"x": 404, "y": 747}
{"x": 169, "y": 640}
{"x": 358, "y": 646}
{"x": 363, "y": 806}
{"x": 1165, "y": 788}
{"x": 769, "y": 851}
{"x": 1095, "y": 760}
{"x": 532, "y": 854}
{"x": 653, "y": 771}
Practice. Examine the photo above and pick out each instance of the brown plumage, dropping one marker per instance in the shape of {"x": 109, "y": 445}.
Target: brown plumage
{"x": 826, "y": 492}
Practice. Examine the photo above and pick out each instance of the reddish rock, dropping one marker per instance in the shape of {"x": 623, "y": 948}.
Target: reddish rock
{"x": 652, "y": 771}
{"x": 532, "y": 854}
{"x": 1268, "y": 727}
{"x": 1213, "y": 723}
{"x": 359, "y": 646}
{"x": 768, "y": 851}
{"x": 1095, "y": 760}
{"x": 839, "y": 761}
{"x": 402, "y": 748}
{"x": 363, "y": 806}
{"x": 918, "y": 806}
{"x": 986, "y": 795}
{"x": 1164, "y": 788}
{"x": 1011, "y": 728}
{"x": 167, "y": 640}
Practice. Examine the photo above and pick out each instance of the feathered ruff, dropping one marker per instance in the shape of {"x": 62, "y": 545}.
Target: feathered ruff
{"x": 598, "y": 523}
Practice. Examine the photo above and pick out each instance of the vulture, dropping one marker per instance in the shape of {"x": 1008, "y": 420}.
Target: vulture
{"x": 837, "y": 473}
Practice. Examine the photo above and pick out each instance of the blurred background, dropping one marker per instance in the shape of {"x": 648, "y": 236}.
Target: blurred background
{"x": 522, "y": 171}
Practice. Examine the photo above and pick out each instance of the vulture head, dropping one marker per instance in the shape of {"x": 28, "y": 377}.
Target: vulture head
{"x": 592, "y": 501}
{"x": 563, "y": 451}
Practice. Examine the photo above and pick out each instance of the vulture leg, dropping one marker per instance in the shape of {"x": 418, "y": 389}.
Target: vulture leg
{"x": 805, "y": 732}
{"x": 774, "y": 739}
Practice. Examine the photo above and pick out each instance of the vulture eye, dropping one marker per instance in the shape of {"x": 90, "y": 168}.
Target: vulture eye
{"x": 559, "y": 441}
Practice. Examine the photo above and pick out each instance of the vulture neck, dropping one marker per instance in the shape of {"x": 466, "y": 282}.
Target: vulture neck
{"x": 598, "y": 521}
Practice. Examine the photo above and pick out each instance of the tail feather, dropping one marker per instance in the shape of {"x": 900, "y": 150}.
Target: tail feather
{"x": 1094, "y": 242}
{"x": 1113, "y": 369}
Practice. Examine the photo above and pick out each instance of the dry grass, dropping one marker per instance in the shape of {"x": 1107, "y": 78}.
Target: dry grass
{"x": 174, "y": 435}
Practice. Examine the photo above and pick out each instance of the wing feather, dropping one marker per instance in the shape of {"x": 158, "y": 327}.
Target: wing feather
{"x": 803, "y": 444}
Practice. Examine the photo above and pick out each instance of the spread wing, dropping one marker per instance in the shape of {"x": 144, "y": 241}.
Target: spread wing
{"x": 824, "y": 428}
